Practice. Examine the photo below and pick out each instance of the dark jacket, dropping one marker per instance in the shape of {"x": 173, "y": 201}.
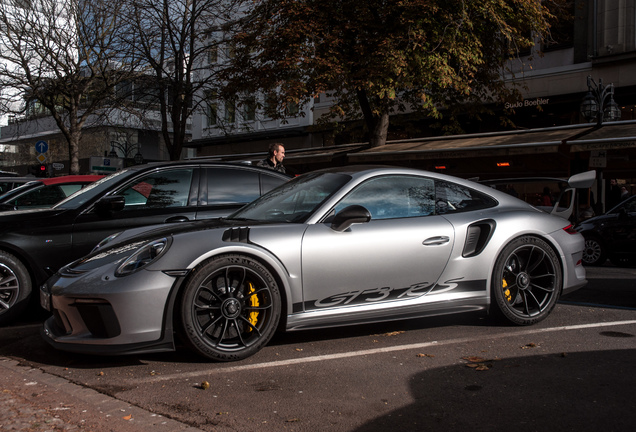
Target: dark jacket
{"x": 267, "y": 163}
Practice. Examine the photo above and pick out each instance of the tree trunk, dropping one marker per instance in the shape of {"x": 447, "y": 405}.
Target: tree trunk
{"x": 380, "y": 130}
{"x": 74, "y": 168}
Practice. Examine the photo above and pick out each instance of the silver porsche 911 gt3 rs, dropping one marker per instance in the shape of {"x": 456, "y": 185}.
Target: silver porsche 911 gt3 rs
{"x": 334, "y": 247}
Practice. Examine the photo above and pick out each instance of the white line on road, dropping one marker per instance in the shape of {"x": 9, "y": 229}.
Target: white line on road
{"x": 199, "y": 373}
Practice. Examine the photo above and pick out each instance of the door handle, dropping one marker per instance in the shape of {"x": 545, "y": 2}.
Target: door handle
{"x": 436, "y": 241}
{"x": 175, "y": 219}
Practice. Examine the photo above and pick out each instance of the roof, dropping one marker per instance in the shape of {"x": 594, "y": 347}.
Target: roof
{"x": 70, "y": 179}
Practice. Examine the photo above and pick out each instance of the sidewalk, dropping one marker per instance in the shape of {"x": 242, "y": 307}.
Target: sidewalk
{"x": 34, "y": 401}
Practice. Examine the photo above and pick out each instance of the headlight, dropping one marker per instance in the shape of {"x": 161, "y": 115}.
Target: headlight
{"x": 107, "y": 240}
{"x": 143, "y": 256}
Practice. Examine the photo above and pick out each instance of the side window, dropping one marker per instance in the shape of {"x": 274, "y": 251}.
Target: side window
{"x": 42, "y": 197}
{"x": 232, "y": 186}
{"x": 159, "y": 190}
{"x": 269, "y": 182}
{"x": 454, "y": 198}
{"x": 70, "y": 189}
{"x": 393, "y": 197}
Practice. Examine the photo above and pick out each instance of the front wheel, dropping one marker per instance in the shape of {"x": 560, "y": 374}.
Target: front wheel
{"x": 230, "y": 308}
{"x": 527, "y": 281}
{"x": 15, "y": 287}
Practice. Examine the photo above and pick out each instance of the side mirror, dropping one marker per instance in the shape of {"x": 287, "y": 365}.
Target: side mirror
{"x": 348, "y": 216}
{"x": 110, "y": 204}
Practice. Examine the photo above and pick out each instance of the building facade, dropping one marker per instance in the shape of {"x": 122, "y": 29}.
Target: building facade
{"x": 592, "y": 49}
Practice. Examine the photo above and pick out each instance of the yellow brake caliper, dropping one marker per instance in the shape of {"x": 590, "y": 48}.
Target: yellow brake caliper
{"x": 504, "y": 285}
{"x": 253, "y": 302}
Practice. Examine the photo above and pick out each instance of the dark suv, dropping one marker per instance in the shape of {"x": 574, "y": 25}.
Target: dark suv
{"x": 35, "y": 243}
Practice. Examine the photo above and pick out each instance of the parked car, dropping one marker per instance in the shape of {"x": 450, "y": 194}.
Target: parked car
{"x": 611, "y": 235}
{"x": 334, "y": 247}
{"x": 43, "y": 193}
{"x": 553, "y": 195}
{"x": 35, "y": 243}
{"x": 10, "y": 182}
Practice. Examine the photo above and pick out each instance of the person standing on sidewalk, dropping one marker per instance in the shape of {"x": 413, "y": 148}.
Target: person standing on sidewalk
{"x": 274, "y": 159}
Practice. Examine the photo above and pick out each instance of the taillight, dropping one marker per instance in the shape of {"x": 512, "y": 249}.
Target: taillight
{"x": 570, "y": 229}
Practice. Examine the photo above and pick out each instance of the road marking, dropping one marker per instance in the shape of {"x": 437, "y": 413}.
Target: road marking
{"x": 313, "y": 359}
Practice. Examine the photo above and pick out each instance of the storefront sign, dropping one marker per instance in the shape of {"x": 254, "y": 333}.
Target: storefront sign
{"x": 527, "y": 103}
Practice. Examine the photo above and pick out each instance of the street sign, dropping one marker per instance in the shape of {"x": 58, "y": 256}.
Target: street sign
{"x": 57, "y": 166}
{"x": 101, "y": 165}
{"x": 41, "y": 146}
{"x": 41, "y": 158}
{"x": 598, "y": 159}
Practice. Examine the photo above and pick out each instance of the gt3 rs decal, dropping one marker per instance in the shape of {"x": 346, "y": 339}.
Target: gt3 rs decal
{"x": 384, "y": 294}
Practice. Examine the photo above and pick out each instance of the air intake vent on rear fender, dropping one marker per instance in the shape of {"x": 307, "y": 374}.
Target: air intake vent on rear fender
{"x": 477, "y": 237}
{"x": 237, "y": 235}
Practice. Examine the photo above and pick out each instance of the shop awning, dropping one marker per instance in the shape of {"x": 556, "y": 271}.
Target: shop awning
{"x": 611, "y": 136}
{"x": 535, "y": 141}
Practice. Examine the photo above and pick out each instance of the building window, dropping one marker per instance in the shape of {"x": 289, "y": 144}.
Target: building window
{"x": 615, "y": 32}
{"x": 211, "y": 109}
{"x": 249, "y": 109}
{"x": 562, "y": 29}
{"x": 230, "y": 111}
{"x": 291, "y": 110}
{"x": 213, "y": 54}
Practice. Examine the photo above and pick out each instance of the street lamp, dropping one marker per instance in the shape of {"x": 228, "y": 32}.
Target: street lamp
{"x": 124, "y": 149}
{"x": 594, "y": 107}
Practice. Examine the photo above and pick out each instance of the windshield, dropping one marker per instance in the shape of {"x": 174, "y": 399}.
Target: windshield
{"x": 18, "y": 190}
{"x": 295, "y": 200}
{"x": 90, "y": 191}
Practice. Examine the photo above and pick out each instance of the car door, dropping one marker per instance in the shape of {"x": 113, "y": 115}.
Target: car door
{"x": 399, "y": 254}
{"x": 157, "y": 197}
{"x": 620, "y": 230}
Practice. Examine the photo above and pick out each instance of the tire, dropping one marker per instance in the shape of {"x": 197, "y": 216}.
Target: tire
{"x": 230, "y": 309}
{"x": 15, "y": 287}
{"x": 594, "y": 253}
{"x": 527, "y": 281}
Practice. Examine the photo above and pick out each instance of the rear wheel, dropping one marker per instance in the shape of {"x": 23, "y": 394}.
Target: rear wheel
{"x": 594, "y": 252}
{"x": 15, "y": 287}
{"x": 527, "y": 281}
{"x": 230, "y": 308}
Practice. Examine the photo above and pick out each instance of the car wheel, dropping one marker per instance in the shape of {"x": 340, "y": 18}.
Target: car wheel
{"x": 594, "y": 252}
{"x": 230, "y": 308}
{"x": 527, "y": 281}
{"x": 15, "y": 287}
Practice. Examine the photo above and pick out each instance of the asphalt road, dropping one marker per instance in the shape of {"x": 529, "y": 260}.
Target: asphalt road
{"x": 573, "y": 371}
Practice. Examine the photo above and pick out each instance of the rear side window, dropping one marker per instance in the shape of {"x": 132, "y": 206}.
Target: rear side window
{"x": 454, "y": 198}
{"x": 231, "y": 186}
{"x": 269, "y": 182}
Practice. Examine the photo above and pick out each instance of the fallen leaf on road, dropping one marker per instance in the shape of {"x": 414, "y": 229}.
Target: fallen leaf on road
{"x": 128, "y": 417}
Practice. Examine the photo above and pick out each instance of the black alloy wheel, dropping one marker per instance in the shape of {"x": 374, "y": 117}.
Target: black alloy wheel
{"x": 527, "y": 281}
{"x": 15, "y": 287}
{"x": 230, "y": 308}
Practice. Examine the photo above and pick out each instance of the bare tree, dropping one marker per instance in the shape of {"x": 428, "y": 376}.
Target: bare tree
{"x": 59, "y": 58}
{"x": 176, "y": 43}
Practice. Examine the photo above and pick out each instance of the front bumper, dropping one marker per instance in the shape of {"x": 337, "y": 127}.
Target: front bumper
{"x": 97, "y": 312}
